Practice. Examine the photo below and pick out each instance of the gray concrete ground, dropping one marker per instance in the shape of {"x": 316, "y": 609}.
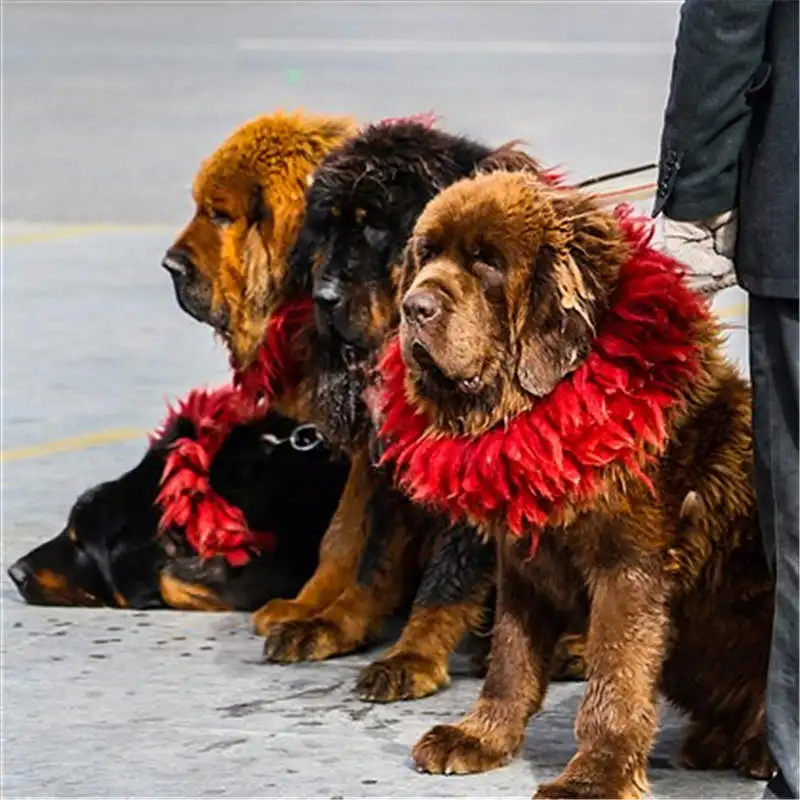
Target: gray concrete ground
{"x": 108, "y": 109}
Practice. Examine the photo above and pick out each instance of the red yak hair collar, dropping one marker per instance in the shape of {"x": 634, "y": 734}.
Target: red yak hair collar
{"x": 212, "y": 526}
{"x": 611, "y": 411}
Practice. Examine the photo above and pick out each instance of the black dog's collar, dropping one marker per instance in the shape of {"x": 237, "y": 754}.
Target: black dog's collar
{"x": 303, "y": 438}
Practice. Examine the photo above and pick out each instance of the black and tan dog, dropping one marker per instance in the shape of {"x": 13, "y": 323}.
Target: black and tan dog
{"x": 111, "y": 553}
{"x": 361, "y": 207}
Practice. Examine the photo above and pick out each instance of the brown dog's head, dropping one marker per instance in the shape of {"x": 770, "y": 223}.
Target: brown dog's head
{"x": 229, "y": 263}
{"x": 505, "y": 279}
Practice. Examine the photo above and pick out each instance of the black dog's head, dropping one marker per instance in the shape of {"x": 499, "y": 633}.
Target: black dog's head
{"x": 110, "y": 552}
{"x": 361, "y": 208}
{"x": 107, "y": 554}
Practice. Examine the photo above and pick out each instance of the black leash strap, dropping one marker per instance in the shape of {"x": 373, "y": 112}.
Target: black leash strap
{"x": 610, "y": 176}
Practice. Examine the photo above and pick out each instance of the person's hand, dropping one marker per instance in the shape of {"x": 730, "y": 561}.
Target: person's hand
{"x": 706, "y": 247}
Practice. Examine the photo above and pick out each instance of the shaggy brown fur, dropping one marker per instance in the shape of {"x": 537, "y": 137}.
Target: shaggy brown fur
{"x": 229, "y": 263}
{"x": 675, "y": 591}
{"x": 348, "y": 249}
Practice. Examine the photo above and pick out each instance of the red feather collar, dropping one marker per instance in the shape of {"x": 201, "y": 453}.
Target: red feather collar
{"x": 212, "y": 526}
{"x": 611, "y": 411}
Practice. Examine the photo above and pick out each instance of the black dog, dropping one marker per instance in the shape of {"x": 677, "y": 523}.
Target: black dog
{"x": 361, "y": 208}
{"x": 111, "y": 554}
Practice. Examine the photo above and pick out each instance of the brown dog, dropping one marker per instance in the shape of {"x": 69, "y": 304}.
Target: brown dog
{"x": 555, "y": 379}
{"x": 229, "y": 264}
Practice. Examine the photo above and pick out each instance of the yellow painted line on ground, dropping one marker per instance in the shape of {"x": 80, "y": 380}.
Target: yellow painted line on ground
{"x": 55, "y": 233}
{"x": 71, "y": 444}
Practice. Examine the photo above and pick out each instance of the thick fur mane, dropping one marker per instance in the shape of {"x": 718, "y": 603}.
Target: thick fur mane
{"x": 266, "y": 164}
{"x": 388, "y": 173}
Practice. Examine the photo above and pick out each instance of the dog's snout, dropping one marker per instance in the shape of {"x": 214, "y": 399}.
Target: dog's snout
{"x": 327, "y": 295}
{"x": 19, "y": 573}
{"x": 421, "y": 307}
{"x": 177, "y": 262}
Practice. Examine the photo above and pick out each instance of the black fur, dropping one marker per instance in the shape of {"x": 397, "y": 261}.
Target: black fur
{"x": 115, "y": 552}
{"x": 461, "y": 561}
{"x": 361, "y": 209}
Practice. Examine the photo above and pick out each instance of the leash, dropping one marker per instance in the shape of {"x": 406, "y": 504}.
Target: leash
{"x": 718, "y": 283}
{"x": 610, "y": 176}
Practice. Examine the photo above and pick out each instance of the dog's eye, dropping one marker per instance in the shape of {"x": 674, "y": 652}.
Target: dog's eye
{"x": 486, "y": 268}
{"x": 425, "y": 251}
{"x": 220, "y": 218}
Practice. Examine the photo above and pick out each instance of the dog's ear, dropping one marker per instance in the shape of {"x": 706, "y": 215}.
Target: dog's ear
{"x": 552, "y": 343}
{"x": 573, "y": 272}
{"x": 510, "y": 158}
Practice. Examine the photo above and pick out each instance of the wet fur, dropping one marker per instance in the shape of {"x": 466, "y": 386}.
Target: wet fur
{"x": 361, "y": 207}
{"x": 673, "y": 588}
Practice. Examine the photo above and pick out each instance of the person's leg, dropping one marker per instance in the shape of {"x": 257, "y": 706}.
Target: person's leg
{"x": 773, "y": 329}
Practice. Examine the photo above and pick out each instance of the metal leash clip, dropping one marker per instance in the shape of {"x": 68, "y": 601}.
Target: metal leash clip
{"x": 303, "y": 438}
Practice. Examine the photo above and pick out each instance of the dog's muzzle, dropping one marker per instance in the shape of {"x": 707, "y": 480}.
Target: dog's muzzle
{"x": 421, "y": 307}
{"x": 191, "y": 291}
{"x": 331, "y": 306}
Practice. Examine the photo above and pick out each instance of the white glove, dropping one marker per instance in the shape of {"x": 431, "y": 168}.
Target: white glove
{"x": 706, "y": 247}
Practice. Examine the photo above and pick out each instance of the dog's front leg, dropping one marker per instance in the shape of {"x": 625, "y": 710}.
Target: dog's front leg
{"x": 340, "y": 555}
{"x": 449, "y": 603}
{"x": 618, "y": 716}
{"x": 374, "y": 592}
{"x": 528, "y": 626}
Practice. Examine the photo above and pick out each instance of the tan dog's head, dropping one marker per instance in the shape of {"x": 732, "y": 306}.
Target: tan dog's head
{"x": 505, "y": 279}
{"x": 229, "y": 263}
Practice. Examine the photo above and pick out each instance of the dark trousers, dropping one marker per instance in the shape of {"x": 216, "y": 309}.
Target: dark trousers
{"x": 773, "y": 331}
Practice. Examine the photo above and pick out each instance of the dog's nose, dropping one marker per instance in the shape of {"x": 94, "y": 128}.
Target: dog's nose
{"x": 327, "y": 295}
{"x": 177, "y": 262}
{"x": 421, "y": 307}
{"x": 18, "y": 573}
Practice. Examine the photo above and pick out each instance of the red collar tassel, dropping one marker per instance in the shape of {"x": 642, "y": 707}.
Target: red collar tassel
{"x": 211, "y": 525}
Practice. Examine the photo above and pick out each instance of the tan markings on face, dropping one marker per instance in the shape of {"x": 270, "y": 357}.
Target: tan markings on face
{"x": 56, "y": 588}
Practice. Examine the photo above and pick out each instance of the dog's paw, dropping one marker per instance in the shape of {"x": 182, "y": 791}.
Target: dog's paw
{"x": 710, "y": 746}
{"x": 404, "y": 676}
{"x": 589, "y": 776}
{"x": 449, "y": 750}
{"x": 305, "y": 640}
{"x": 278, "y": 611}
{"x": 587, "y": 791}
